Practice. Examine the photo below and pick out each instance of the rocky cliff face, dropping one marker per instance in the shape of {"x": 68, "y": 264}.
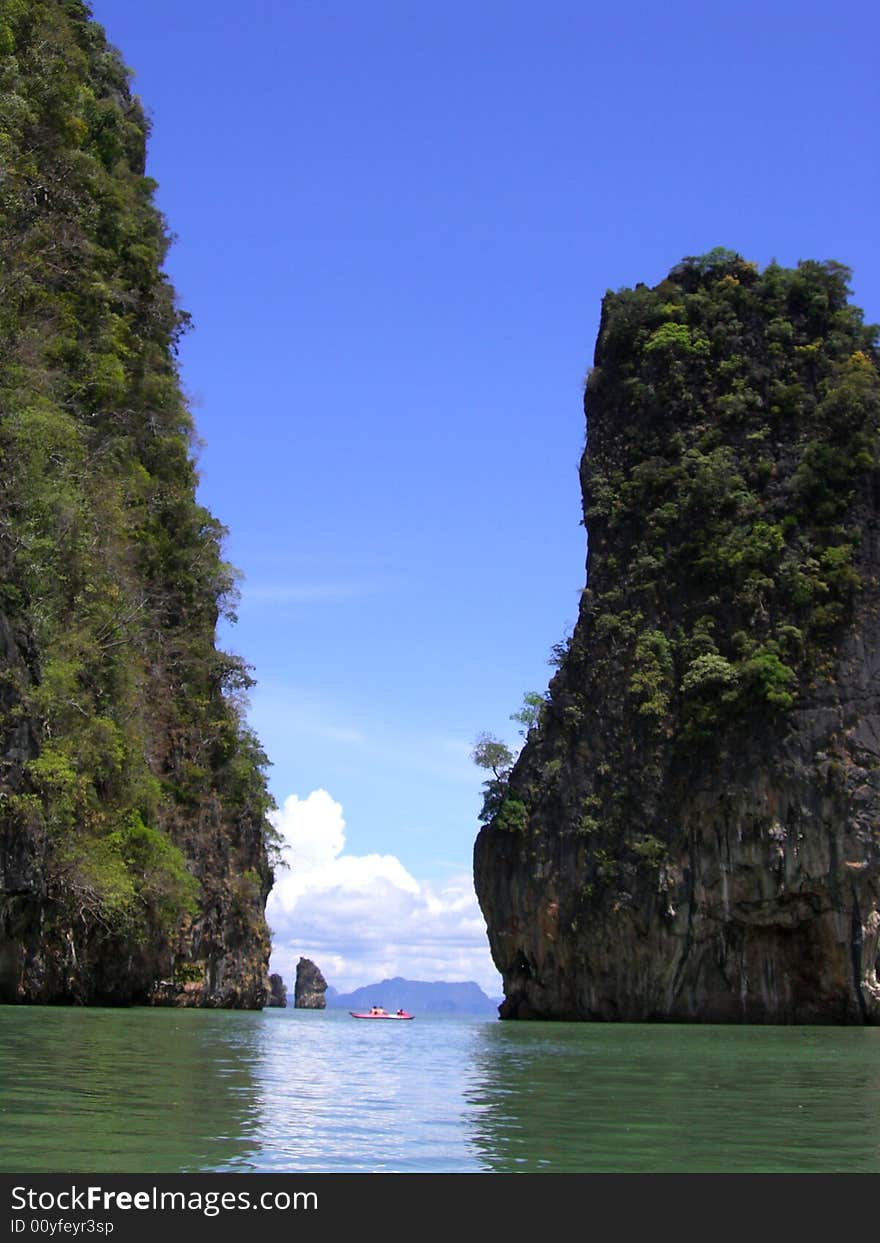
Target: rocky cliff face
{"x": 277, "y": 992}
{"x": 133, "y": 837}
{"x": 310, "y": 987}
{"x": 691, "y": 830}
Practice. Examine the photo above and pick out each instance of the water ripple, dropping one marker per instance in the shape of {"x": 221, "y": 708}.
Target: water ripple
{"x": 155, "y": 1090}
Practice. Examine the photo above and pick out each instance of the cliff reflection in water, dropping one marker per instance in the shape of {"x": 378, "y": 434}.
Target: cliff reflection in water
{"x": 651, "y": 1098}
{"x": 139, "y": 1091}
{"x": 296, "y": 1090}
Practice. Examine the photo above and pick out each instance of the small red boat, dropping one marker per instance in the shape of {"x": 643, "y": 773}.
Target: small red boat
{"x": 378, "y": 1013}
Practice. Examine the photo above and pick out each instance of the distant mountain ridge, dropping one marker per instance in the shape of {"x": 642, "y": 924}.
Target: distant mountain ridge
{"x": 416, "y": 996}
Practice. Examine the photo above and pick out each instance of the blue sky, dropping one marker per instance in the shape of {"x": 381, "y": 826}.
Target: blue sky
{"x": 395, "y": 224}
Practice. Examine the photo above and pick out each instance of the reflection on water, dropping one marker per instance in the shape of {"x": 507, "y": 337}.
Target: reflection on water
{"x": 160, "y": 1090}
{"x": 340, "y": 1095}
{"x": 140, "y": 1091}
{"x": 651, "y": 1098}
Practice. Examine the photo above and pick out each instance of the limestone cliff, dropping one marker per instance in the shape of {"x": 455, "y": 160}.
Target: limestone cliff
{"x": 277, "y": 992}
{"x": 133, "y": 833}
{"x": 691, "y": 830}
{"x": 310, "y": 987}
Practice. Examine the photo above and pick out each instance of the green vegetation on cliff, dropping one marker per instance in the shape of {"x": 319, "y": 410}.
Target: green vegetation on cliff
{"x": 132, "y": 795}
{"x": 752, "y": 408}
{"x": 723, "y": 496}
{"x": 691, "y": 826}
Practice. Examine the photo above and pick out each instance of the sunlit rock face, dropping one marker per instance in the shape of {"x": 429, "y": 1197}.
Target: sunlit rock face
{"x": 691, "y": 830}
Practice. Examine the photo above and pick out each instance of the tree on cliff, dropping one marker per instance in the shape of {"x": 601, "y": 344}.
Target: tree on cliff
{"x": 489, "y": 752}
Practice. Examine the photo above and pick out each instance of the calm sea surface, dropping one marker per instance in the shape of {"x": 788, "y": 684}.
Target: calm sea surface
{"x": 289, "y": 1090}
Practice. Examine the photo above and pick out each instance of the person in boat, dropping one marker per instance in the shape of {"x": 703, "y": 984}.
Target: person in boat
{"x": 401, "y": 1013}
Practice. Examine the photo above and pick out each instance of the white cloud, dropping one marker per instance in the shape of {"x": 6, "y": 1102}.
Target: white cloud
{"x": 364, "y": 917}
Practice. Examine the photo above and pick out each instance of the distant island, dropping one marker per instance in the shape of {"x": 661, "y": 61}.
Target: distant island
{"x": 416, "y": 996}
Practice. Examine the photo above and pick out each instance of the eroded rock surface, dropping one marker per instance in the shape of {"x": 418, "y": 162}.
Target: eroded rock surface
{"x": 310, "y": 987}
{"x": 691, "y": 830}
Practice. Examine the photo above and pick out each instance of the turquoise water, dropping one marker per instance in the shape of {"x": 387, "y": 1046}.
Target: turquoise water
{"x": 145, "y": 1090}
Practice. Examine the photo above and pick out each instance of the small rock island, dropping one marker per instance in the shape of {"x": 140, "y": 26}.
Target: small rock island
{"x": 310, "y": 988}
{"x": 692, "y": 830}
{"x": 277, "y": 992}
